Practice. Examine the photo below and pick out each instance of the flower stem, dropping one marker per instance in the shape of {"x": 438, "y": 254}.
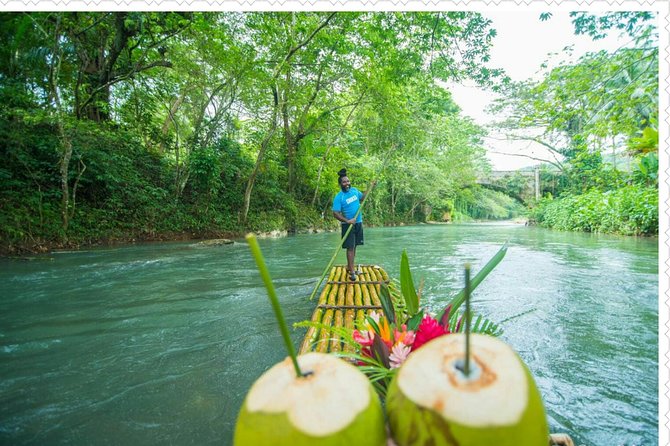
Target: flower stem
{"x": 267, "y": 280}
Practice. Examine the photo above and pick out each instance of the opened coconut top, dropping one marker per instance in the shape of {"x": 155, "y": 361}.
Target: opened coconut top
{"x": 495, "y": 393}
{"x": 324, "y": 402}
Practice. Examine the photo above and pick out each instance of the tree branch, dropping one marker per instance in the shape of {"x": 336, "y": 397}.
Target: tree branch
{"x": 308, "y": 39}
{"x": 523, "y": 155}
{"x": 116, "y": 79}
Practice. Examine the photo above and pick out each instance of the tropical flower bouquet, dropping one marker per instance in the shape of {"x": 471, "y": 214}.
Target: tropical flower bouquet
{"x": 385, "y": 339}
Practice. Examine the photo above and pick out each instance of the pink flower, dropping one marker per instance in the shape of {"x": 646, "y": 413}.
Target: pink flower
{"x": 363, "y": 337}
{"x": 399, "y": 354}
{"x": 428, "y": 329}
{"x": 404, "y": 336}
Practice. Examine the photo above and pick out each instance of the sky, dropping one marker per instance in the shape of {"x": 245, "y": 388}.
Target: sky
{"x": 522, "y": 44}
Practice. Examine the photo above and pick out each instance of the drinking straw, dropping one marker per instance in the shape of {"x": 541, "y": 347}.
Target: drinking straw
{"x": 265, "y": 274}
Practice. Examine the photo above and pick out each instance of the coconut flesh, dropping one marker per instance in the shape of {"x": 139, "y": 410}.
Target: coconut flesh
{"x": 432, "y": 401}
{"x": 334, "y": 404}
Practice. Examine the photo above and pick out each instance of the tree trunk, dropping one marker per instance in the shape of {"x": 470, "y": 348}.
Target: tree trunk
{"x": 98, "y": 108}
{"x": 259, "y": 158}
{"x": 168, "y": 119}
{"x": 318, "y": 175}
{"x": 252, "y": 177}
{"x": 66, "y": 141}
{"x": 393, "y": 197}
{"x": 289, "y": 139}
{"x": 66, "y": 156}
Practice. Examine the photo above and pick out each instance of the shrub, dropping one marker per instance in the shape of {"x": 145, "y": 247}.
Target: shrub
{"x": 630, "y": 210}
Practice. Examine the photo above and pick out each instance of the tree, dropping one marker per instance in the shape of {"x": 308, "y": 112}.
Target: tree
{"x": 604, "y": 98}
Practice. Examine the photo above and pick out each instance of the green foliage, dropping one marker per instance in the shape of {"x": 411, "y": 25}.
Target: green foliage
{"x": 481, "y": 325}
{"x": 630, "y": 210}
{"x": 407, "y": 286}
{"x": 587, "y": 171}
{"x": 484, "y": 204}
{"x": 629, "y": 22}
{"x": 646, "y": 171}
{"x": 645, "y": 142}
{"x": 201, "y": 123}
{"x": 515, "y": 183}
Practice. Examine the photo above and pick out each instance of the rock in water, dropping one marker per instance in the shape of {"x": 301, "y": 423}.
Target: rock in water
{"x": 334, "y": 404}
{"x": 432, "y": 402}
{"x": 214, "y": 242}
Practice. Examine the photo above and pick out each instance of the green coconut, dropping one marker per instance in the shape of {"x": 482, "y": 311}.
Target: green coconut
{"x": 334, "y": 404}
{"x": 432, "y": 402}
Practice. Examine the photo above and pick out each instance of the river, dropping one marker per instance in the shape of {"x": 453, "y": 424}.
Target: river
{"x": 158, "y": 343}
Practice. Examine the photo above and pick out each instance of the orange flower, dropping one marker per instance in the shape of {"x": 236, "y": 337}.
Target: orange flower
{"x": 404, "y": 336}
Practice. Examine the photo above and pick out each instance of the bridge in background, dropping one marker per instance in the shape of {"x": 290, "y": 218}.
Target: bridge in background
{"x": 519, "y": 184}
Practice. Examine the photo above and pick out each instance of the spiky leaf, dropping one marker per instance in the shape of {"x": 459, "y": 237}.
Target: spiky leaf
{"x": 459, "y": 298}
{"x": 407, "y": 286}
{"x": 387, "y": 303}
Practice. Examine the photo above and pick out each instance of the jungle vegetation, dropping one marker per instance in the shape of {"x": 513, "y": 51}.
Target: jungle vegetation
{"x": 148, "y": 125}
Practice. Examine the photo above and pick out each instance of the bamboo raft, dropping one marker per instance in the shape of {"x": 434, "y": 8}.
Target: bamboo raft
{"x": 342, "y": 304}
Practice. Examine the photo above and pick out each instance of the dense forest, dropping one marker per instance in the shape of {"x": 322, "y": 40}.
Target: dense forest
{"x": 146, "y": 125}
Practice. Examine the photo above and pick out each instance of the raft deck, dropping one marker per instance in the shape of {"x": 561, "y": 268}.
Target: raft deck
{"x": 343, "y": 303}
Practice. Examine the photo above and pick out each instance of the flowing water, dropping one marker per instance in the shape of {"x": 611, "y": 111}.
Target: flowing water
{"x": 159, "y": 343}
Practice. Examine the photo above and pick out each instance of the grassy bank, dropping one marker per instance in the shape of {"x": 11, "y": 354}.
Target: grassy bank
{"x": 630, "y": 210}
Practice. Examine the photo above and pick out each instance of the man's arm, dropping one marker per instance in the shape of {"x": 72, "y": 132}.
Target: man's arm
{"x": 340, "y": 217}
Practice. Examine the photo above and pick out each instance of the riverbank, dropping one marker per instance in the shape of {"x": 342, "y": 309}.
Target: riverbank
{"x": 36, "y": 247}
{"x": 45, "y": 246}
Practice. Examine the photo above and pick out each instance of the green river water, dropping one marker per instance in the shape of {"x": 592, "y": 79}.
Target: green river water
{"x": 159, "y": 343}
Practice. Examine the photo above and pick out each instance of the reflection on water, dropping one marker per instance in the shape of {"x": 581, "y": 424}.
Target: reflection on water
{"x": 159, "y": 343}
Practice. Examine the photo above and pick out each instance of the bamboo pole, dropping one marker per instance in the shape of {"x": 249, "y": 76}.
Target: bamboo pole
{"x": 350, "y": 307}
{"x": 349, "y": 325}
{"x": 332, "y": 296}
{"x": 366, "y": 295}
{"x": 341, "y": 290}
{"x": 349, "y": 295}
{"x": 358, "y": 295}
{"x": 312, "y": 332}
{"x": 374, "y": 294}
{"x": 384, "y": 274}
{"x": 324, "y": 294}
{"x": 322, "y": 344}
{"x": 335, "y": 345}
{"x": 373, "y": 282}
{"x": 376, "y": 277}
{"x": 360, "y": 317}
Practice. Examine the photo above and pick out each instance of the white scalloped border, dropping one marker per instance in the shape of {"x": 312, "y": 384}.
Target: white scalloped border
{"x": 662, "y": 6}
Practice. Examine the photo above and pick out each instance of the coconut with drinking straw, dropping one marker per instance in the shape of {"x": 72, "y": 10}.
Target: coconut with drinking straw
{"x": 466, "y": 390}
{"x": 312, "y": 399}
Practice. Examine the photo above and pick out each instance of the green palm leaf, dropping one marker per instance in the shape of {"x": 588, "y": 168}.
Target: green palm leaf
{"x": 407, "y": 286}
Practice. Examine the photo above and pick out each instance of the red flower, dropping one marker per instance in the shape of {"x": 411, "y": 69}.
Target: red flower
{"x": 428, "y": 329}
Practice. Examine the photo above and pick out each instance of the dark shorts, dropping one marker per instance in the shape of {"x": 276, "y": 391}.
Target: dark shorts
{"x": 355, "y": 236}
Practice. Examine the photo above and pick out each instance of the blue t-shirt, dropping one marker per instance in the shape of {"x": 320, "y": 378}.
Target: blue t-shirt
{"x": 348, "y": 203}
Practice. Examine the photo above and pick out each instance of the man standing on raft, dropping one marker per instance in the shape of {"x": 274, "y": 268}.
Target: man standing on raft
{"x": 345, "y": 206}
